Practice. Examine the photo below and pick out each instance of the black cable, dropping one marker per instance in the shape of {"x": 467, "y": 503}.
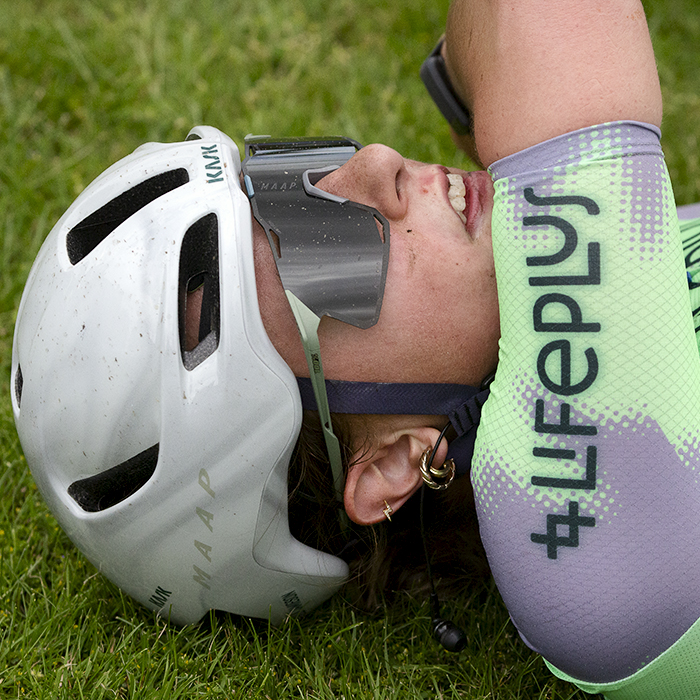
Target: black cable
{"x": 447, "y": 633}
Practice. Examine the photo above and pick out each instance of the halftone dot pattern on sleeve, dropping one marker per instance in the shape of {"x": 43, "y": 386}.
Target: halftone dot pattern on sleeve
{"x": 587, "y": 459}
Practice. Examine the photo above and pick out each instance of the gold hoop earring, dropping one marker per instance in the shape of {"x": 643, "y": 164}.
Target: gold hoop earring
{"x": 438, "y": 478}
{"x": 388, "y": 511}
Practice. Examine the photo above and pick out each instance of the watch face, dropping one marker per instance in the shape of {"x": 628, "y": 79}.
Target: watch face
{"x": 434, "y": 76}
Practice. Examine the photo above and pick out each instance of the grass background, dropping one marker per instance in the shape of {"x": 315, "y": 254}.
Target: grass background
{"x": 83, "y": 83}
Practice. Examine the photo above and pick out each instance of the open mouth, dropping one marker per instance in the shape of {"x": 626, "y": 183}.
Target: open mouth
{"x": 457, "y": 195}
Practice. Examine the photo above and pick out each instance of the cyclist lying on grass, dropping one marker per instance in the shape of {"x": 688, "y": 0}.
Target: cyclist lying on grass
{"x": 190, "y": 318}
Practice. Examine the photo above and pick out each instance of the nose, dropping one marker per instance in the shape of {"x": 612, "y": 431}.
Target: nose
{"x": 373, "y": 176}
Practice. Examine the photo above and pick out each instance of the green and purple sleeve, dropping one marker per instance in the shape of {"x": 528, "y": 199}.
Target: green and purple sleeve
{"x": 587, "y": 463}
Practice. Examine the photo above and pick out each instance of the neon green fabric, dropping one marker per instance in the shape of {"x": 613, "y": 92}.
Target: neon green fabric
{"x": 675, "y": 675}
{"x": 690, "y": 233}
{"x": 587, "y": 463}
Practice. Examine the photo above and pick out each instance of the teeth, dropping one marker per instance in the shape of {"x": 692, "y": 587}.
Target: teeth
{"x": 456, "y": 195}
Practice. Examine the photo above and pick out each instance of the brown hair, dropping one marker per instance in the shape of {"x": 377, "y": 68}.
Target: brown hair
{"x": 386, "y": 557}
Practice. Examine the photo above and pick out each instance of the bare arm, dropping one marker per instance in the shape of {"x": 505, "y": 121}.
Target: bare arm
{"x": 530, "y": 70}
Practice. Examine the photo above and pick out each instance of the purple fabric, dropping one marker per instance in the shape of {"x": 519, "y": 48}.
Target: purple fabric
{"x": 387, "y": 398}
{"x": 689, "y": 211}
{"x": 462, "y": 404}
{"x": 611, "y": 604}
{"x": 624, "y": 587}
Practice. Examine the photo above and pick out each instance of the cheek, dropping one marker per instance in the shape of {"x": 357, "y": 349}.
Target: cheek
{"x": 474, "y": 295}
{"x": 447, "y": 305}
{"x": 435, "y": 272}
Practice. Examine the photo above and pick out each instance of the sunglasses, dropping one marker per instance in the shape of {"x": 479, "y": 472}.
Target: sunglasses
{"x": 434, "y": 75}
{"x": 331, "y": 253}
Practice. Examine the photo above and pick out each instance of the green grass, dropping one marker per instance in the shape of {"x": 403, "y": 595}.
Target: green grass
{"x": 83, "y": 83}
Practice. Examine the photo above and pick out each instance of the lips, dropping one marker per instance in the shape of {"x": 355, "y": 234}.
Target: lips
{"x": 467, "y": 194}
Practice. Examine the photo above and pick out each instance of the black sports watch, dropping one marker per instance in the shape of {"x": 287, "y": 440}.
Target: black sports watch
{"x": 434, "y": 76}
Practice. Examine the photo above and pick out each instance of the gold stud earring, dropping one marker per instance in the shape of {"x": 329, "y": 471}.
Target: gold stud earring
{"x": 388, "y": 511}
{"x": 434, "y": 477}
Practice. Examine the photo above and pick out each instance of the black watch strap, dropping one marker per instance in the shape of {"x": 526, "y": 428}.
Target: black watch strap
{"x": 435, "y": 78}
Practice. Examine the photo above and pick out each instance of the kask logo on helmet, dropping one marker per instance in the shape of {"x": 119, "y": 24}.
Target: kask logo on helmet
{"x": 214, "y": 169}
{"x": 160, "y": 597}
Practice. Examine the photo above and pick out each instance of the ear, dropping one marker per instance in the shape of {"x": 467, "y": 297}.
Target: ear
{"x": 388, "y": 470}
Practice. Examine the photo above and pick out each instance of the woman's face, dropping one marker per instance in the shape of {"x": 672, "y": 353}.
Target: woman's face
{"x": 439, "y": 318}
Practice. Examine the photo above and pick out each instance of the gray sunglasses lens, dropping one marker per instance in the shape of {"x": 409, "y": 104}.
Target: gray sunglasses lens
{"x": 331, "y": 253}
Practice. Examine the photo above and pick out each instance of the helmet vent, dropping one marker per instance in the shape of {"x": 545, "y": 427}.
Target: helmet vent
{"x": 19, "y": 383}
{"x": 104, "y": 490}
{"x": 199, "y": 293}
{"x": 84, "y": 237}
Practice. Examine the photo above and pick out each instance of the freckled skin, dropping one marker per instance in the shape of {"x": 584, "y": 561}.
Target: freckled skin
{"x": 439, "y": 320}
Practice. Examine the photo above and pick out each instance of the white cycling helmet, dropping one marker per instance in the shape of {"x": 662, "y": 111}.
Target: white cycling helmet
{"x": 166, "y": 466}
{"x": 164, "y": 455}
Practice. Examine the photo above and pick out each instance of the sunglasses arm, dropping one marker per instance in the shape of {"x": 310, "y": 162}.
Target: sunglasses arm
{"x": 308, "y": 323}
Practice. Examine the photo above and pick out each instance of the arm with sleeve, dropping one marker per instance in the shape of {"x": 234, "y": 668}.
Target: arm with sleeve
{"x": 587, "y": 464}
